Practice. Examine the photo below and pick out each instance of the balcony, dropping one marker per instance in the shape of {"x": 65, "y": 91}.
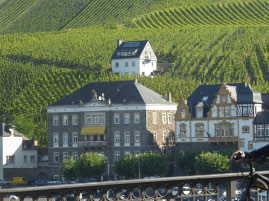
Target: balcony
{"x": 88, "y": 143}
{"x": 223, "y": 140}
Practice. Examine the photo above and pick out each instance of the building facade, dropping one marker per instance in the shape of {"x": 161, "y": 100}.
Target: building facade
{"x": 219, "y": 117}
{"x": 111, "y": 118}
{"x": 134, "y": 57}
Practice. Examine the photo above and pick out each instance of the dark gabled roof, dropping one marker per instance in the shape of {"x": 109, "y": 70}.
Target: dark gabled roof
{"x": 119, "y": 92}
{"x": 241, "y": 92}
{"x": 262, "y": 118}
{"x": 129, "y": 47}
{"x": 265, "y": 100}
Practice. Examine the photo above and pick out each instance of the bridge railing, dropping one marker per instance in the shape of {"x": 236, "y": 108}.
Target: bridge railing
{"x": 185, "y": 188}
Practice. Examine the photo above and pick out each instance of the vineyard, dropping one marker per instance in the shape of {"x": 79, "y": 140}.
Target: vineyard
{"x": 229, "y": 14}
{"x": 208, "y": 41}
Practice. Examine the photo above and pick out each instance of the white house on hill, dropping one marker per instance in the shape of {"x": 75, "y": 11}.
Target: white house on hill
{"x": 134, "y": 57}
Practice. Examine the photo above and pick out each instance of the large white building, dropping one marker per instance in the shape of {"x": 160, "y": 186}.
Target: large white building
{"x": 222, "y": 116}
{"x": 134, "y": 57}
{"x": 18, "y": 154}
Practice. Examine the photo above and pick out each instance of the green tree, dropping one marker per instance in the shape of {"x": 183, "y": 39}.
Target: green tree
{"x": 26, "y": 126}
{"x": 143, "y": 164}
{"x": 208, "y": 163}
{"x": 186, "y": 160}
{"x": 68, "y": 169}
{"x": 90, "y": 165}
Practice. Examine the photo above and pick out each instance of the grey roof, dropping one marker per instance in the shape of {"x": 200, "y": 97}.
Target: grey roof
{"x": 262, "y": 118}
{"x": 5, "y": 131}
{"x": 241, "y": 92}
{"x": 119, "y": 92}
{"x": 137, "y": 46}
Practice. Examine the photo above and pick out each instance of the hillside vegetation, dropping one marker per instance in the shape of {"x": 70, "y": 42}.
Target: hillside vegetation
{"x": 208, "y": 41}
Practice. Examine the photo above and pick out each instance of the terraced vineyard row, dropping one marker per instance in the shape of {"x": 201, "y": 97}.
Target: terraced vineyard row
{"x": 14, "y": 9}
{"x": 229, "y": 14}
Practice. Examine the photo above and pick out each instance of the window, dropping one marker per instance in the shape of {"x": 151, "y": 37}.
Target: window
{"x": 170, "y": 136}
{"x": 242, "y": 143}
{"x": 116, "y": 136}
{"x": 126, "y": 64}
{"x": 56, "y": 177}
{"x": 117, "y": 64}
{"x": 75, "y": 156}
{"x": 199, "y": 112}
{"x": 133, "y": 63}
{"x": 224, "y": 130}
{"x": 245, "y": 111}
{"x": 116, "y": 118}
{"x": 164, "y": 136}
{"x": 65, "y": 156}
{"x": 227, "y": 111}
{"x": 55, "y": 139}
{"x": 182, "y": 113}
{"x": 154, "y": 118}
{"x": 154, "y": 136}
{"x": 126, "y": 118}
{"x": 245, "y": 129}
{"x": 25, "y": 158}
{"x": 267, "y": 130}
{"x": 250, "y": 145}
{"x": 55, "y": 120}
{"x": 143, "y": 73}
{"x": 101, "y": 118}
{"x": 116, "y": 155}
{"x": 75, "y": 137}
{"x": 221, "y": 111}
{"x": 65, "y": 139}
{"x": 137, "y": 136}
{"x": 126, "y": 136}
{"x": 164, "y": 118}
{"x": 65, "y": 119}
{"x": 182, "y": 130}
{"x": 223, "y": 98}
{"x": 260, "y": 130}
{"x": 75, "y": 119}
{"x": 56, "y": 157}
{"x": 10, "y": 159}
{"x": 199, "y": 130}
{"x": 137, "y": 118}
{"x": 87, "y": 119}
{"x": 127, "y": 153}
{"x": 94, "y": 119}
{"x": 169, "y": 118}
{"x": 32, "y": 158}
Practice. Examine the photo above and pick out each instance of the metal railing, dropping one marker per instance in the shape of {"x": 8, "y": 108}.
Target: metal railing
{"x": 92, "y": 143}
{"x": 199, "y": 187}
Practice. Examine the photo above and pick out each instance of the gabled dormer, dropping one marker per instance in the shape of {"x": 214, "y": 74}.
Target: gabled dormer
{"x": 199, "y": 110}
{"x": 182, "y": 113}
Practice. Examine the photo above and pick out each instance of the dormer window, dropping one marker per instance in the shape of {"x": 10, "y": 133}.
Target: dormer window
{"x": 199, "y": 112}
{"x": 223, "y": 98}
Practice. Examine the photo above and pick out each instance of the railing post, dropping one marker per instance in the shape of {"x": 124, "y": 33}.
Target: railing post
{"x": 267, "y": 195}
{"x": 230, "y": 189}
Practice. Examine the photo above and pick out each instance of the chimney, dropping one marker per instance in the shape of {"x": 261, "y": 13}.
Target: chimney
{"x": 119, "y": 42}
{"x": 169, "y": 97}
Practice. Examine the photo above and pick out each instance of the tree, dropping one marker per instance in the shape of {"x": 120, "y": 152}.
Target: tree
{"x": 186, "y": 160}
{"x": 68, "y": 169}
{"x": 90, "y": 165}
{"x": 143, "y": 164}
{"x": 208, "y": 163}
{"x": 26, "y": 126}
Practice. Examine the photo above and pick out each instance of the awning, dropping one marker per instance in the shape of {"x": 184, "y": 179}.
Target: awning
{"x": 93, "y": 130}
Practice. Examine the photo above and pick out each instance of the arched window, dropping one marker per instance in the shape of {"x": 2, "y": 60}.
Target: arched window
{"x": 182, "y": 130}
{"x": 199, "y": 130}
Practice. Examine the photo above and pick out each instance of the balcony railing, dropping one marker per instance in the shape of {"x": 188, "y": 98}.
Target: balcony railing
{"x": 87, "y": 143}
{"x": 191, "y": 188}
{"x": 223, "y": 139}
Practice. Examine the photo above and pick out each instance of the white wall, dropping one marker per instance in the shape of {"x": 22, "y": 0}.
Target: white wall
{"x": 1, "y": 158}
{"x": 13, "y": 146}
{"x": 122, "y": 69}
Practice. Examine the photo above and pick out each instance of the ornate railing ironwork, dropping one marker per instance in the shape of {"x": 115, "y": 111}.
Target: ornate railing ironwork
{"x": 185, "y": 188}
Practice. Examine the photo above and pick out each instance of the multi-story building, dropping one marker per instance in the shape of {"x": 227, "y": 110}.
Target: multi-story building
{"x": 112, "y": 118}
{"x": 18, "y": 154}
{"x": 221, "y": 117}
{"x": 134, "y": 57}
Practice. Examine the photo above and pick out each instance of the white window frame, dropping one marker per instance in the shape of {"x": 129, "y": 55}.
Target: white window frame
{"x": 55, "y": 139}
{"x": 74, "y": 139}
{"x": 87, "y": 119}
{"x": 182, "y": 130}
{"x": 117, "y": 118}
{"x": 65, "y": 119}
{"x": 155, "y": 136}
{"x": 117, "y": 138}
{"x": 164, "y": 136}
{"x": 75, "y": 156}
{"x": 164, "y": 118}
{"x": 65, "y": 156}
{"x": 75, "y": 119}
{"x": 65, "y": 139}
{"x": 55, "y": 121}
{"x": 182, "y": 113}
{"x": 169, "y": 118}
{"x": 116, "y": 155}
{"x": 126, "y": 118}
{"x": 127, "y": 138}
{"x": 101, "y": 118}
{"x": 199, "y": 112}
{"x": 136, "y": 118}
{"x": 10, "y": 159}
{"x": 137, "y": 137}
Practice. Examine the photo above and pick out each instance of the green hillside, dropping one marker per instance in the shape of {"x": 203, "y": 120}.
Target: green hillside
{"x": 208, "y": 41}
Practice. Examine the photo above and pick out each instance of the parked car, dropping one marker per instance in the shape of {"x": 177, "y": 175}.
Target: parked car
{"x": 3, "y": 182}
{"x": 69, "y": 197}
{"x": 39, "y": 183}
